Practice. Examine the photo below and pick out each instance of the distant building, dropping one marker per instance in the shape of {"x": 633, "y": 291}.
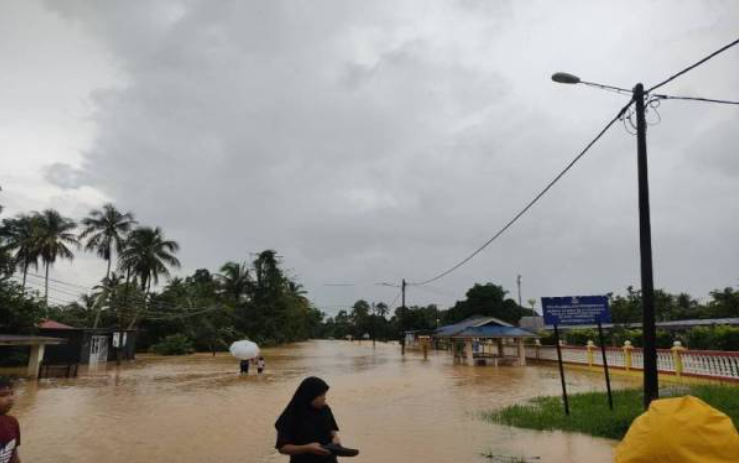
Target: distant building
{"x": 86, "y": 346}
{"x": 533, "y": 324}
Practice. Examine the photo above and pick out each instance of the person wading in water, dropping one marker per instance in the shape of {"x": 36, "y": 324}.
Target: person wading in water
{"x": 307, "y": 425}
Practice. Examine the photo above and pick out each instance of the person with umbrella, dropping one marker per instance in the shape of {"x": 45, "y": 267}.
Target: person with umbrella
{"x": 307, "y": 430}
{"x": 245, "y": 351}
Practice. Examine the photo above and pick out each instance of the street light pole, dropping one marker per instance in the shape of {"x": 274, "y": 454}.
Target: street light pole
{"x": 651, "y": 378}
{"x": 518, "y": 281}
{"x": 649, "y": 331}
{"x": 402, "y": 317}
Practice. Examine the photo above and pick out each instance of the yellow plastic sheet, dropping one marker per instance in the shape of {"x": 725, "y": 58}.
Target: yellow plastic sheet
{"x": 680, "y": 430}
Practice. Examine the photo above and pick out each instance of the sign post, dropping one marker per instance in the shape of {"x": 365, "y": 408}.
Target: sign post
{"x": 602, "y": 341}
{"x": 565, "y": 400}
{"x": 574, "y": 311}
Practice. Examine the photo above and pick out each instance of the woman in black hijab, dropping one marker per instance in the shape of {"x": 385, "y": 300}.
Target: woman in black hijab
{"x": 307, "y": 424}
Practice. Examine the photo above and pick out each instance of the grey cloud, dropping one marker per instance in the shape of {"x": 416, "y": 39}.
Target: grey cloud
{"x": 375, "y": 140}
{"x": 64, "y": 176}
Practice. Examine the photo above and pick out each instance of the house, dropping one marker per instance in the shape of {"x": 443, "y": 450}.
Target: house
{"x": 86, "y": 346}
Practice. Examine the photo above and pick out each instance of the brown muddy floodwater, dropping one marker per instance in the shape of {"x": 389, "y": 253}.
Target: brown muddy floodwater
{"x": 197, "y": 409}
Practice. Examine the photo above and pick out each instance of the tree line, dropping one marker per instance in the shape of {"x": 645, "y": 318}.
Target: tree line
{"x": 205, "y": 310}
{"x": 365, "y": 319}
{"x": 258, "y": 300}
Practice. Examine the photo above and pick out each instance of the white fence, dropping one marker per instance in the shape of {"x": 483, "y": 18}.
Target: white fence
{"x": 679, "y": 361}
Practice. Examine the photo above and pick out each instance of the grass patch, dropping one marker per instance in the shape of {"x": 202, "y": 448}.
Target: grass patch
{"x": 589, "y": 413}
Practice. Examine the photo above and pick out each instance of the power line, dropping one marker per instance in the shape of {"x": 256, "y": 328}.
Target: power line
{"x": 696, "y": 98}
{"x": 86, "y": 288}
{"x": 135, "y": 304}
{"x": 530, "y": 204}
{"x": 181, "y": 316}
{"x": 693, "y": 66}
{"x": 395, "y": 299}
{"x": 40, "y": 286}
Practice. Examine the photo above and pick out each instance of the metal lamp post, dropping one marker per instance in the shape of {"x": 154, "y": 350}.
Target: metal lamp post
{"x": 651, "y": 379}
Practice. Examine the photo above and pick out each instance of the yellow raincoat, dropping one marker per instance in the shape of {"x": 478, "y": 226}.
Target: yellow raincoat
{"x": 680, "y": 430}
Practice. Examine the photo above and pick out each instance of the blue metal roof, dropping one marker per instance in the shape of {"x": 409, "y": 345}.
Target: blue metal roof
{"x": 496, "y": 332}
{"x": 482, "y": 327}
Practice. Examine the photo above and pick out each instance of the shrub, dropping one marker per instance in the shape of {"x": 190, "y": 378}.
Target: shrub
{"x": 547, "y": 338}
{"x": 727, "y": 337}
{"x": 701, "y": 337}
{"x": 713, "y": 338}
{"x": 174, "y": 344}
{"x": 580, "y": 337}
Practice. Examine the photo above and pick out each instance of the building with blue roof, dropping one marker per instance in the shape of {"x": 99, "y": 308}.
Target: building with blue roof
{"x": 483, "y": 340}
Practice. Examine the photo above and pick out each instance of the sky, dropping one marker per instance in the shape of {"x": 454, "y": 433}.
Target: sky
{"x": 369, "y": 142}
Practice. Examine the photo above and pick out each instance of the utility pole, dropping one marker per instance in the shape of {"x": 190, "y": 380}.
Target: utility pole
{"x": 518, "y": 280}
{"x": 374, "y": 325}
{"x": 402, "y": 317}
{"x": 651, "y": 379}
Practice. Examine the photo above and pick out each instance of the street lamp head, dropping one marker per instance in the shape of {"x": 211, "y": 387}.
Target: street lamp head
{"x": 565, "y": 78}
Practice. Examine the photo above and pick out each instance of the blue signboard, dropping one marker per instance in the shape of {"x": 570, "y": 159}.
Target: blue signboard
{"x": 576, "y": 310}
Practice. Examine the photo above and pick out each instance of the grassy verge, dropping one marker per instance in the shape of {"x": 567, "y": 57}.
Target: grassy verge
{"x": 589, "y": 413}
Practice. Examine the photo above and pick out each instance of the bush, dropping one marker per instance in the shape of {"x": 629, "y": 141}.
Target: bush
{"x": 665, "y": 340}
{"x": 174, "y": 344}
{"x": 547, "y": 338}
{"x": 580, "y": 337}
{"x": 713, "y": 338}
{"x": 727, "y": 337}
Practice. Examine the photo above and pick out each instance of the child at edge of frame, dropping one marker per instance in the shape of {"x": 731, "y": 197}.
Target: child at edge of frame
{"x": 10, "y": 432}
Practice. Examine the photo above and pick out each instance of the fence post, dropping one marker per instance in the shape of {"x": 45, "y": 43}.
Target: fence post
{"x": 591, "y": 346}
{"x": 677, "y": 357}
{"x": 627, "y": 355}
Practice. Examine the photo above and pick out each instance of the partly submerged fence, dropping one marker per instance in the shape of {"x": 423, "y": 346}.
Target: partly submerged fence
{"x": 677, "y": 361}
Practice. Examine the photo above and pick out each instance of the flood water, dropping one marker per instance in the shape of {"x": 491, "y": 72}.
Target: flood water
{"x": 197, "y": 409}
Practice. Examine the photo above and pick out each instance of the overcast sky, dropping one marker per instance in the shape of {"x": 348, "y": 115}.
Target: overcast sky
{"x": 372, "y": 141}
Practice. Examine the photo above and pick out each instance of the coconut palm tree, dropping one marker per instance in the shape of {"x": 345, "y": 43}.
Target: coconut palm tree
{"x": 106, "y": 229}
{"x": 20, "y": 238}
{"x": 296, "y": 290}
{"x": 148, "y": 255}
{"x": 235, "y": 280}
{"x": 54, "y": 238}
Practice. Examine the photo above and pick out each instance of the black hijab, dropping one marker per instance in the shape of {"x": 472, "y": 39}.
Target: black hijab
{"x": 300, "y": 405}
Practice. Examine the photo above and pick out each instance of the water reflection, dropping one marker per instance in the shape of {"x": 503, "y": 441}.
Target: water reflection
{"x": 198, "y": 409}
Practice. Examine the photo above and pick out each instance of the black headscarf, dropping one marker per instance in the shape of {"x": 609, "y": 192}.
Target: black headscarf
{"x": 300, "y": 405}
{"x": 301, "y": 423}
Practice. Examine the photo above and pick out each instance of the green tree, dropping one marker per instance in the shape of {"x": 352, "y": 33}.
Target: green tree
{"x": 235, "y": 281}
{"x": 20, "y": 238}
{"x": 724, "y": 303}
{"x": 103, "y": 295}
{"x": 626, "y": 309}
{"x": 106, "y": 230}
{"x": 148, "y": 255}
{"x": 360, "y": 318}
{"x": 488, "y": 300}
{"x": 18, "y": 314}
{"x": 54, "y": 239}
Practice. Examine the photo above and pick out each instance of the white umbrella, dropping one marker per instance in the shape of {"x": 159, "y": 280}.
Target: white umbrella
{"x": 244, "y": 350}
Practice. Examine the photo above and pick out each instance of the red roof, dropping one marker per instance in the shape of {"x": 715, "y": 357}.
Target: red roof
{"x": 52, "y": 325}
